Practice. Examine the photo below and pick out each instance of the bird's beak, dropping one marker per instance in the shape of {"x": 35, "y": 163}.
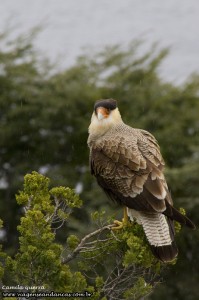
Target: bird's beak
{"x": 102, "y": 113}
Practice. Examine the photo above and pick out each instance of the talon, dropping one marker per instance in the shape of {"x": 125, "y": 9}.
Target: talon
{"x": 119, "y": 225}
{"x": 123, "y": 223}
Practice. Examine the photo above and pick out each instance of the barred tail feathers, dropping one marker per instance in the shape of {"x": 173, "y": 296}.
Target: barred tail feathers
{"x": 159, "y": 232}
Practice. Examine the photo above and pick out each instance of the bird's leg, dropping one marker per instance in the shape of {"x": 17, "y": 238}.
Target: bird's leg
{"x": 123, "y": 223}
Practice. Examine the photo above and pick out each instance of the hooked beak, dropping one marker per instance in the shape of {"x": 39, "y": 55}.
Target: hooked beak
{"x": 102, "y": 113}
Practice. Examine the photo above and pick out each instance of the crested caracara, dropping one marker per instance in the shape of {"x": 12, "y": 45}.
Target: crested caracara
{"x": 128, "y": 166}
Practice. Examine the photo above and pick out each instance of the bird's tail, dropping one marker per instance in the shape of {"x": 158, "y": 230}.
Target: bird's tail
{"x": 167, "y": 252}
{"x": 159, "y": 232}
{"x": 175, "y": 215}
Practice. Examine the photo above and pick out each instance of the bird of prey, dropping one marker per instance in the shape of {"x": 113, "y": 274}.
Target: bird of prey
{"x": 128, "y": 166}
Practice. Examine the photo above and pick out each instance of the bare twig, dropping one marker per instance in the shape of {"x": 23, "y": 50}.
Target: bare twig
{"x": 28, "y": 206}
{"x": 83, "y": 241}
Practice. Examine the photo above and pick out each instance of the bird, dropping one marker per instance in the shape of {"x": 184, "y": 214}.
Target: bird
{"x": 128, "y": 166}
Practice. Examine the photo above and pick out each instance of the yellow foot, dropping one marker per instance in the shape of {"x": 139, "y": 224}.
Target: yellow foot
{"x": 124, "y": 223}
{"x": 120, "y": 224}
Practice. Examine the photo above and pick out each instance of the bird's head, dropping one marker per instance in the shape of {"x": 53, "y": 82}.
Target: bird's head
{"x": 105, "y": 116}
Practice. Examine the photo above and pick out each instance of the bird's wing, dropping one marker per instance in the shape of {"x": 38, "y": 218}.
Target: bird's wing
{"x": 156, "y": 183}
{"x": 129, "y": 169}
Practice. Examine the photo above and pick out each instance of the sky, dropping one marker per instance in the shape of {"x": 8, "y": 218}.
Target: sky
{"x": 71, "y": 26}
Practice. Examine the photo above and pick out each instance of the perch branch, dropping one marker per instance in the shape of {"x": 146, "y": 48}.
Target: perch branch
{"x": 83, "y": 241}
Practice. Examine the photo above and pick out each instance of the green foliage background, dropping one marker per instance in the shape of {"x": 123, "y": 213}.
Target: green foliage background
{"x": 103, "y": 264}
{"x": 44, "y": 116}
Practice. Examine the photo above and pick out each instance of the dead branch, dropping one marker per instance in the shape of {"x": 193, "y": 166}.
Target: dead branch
{"x": 83, "y": 241}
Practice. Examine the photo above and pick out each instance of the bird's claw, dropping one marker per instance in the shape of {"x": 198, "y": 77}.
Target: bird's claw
{"x": 120, "y": 224}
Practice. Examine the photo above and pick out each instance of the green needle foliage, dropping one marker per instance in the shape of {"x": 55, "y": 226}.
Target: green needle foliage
{"x": 38, "y": 262}
{"x": 107, "y": 264}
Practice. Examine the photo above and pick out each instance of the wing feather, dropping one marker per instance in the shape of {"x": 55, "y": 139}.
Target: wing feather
{"x": 129, "y": 172}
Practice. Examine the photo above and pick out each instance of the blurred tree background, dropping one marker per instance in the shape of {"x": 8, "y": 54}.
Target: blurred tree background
{"x": 44, "y": 116}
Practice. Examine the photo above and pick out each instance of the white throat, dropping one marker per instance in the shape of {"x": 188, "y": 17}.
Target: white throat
{"x": 101, "y": 126}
